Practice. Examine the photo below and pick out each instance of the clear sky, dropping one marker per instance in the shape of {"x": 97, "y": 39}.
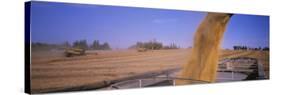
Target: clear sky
{"x": 122, "y": 27}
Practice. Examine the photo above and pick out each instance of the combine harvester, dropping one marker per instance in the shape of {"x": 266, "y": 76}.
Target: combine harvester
{"x": 69, "y": 52}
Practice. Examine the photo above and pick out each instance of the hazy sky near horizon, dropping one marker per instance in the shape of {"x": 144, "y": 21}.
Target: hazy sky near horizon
{"x": 122, "y": 27}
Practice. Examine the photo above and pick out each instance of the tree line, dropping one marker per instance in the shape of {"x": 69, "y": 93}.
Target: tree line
{"x": 43, "y": 46}
{"x": 96, "y": 45}
{"x": 250, "y": 48}
{"x": 153, "y": 45}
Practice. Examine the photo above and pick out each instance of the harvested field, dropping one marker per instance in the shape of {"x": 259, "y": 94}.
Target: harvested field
{"x": 50, "y": 70}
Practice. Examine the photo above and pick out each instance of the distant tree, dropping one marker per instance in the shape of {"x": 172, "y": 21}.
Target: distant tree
{"x": 43, "y": 46}
{"x": 97, "y": 46}
{"x": 250, "y": 48}
{"x": 260, "y": 48}
{"x": 140, "y": 45}
{"x": 245, "y": 48}
{"x": 80, "y": 44}
{"x": 84, "y": 44}
{"x": 265, "y": 49}
{"x": 235, "y": 48}
{"x": 105, "y": 46}
{"x": 153, "y": 45}
{"x": 66, "y": 44}
{"x": 171, "y": 46}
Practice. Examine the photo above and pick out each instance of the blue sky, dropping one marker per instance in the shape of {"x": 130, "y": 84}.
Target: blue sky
{"x": 122, "y": 27}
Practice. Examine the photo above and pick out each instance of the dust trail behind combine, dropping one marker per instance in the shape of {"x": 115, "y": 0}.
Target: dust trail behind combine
{"x": 205, "y": 53}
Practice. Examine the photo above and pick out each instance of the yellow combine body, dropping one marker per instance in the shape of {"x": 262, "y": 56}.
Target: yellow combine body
{"x": 69, "y": 52}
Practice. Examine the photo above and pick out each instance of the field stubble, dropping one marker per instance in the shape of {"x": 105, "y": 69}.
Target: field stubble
{"x": 50, "y": 70}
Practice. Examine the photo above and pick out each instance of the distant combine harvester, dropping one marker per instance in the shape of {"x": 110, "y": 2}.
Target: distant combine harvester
{"x": 141, "y": 49}
{"x": 69, "y": 52}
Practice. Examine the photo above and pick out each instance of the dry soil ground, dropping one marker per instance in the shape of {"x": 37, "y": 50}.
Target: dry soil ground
{"x": 51, "y": 70}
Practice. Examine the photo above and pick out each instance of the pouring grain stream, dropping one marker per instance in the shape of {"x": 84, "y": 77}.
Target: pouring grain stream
{"x": 205, "y": 52}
